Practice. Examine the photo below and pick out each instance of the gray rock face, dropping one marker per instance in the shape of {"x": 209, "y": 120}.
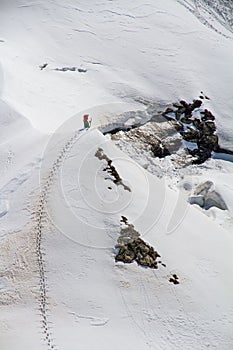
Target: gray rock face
{"x": 199, "y": 200}
{"x": 214, "y": 199}
{"x": 206, "y": 197}
{"x": 161, "y": 139}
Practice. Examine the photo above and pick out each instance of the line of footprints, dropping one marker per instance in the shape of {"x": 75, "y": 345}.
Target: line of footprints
{"x": 41, "y": 217}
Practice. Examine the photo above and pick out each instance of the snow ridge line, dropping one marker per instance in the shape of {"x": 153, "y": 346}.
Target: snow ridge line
{"x": 195, "y": 10}
{"x": 41, "y": 218}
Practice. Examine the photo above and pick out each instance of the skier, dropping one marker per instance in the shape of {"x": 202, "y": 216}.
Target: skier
{"x": 86, "y": 121}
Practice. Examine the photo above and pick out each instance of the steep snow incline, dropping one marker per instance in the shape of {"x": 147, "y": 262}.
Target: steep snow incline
{"x": 90, "y": 299}
{"x": 132, "y": 52}
{"x": 21, "y": 149}
{"x": 91, "y": 294}
{"x": 60, "y": 287}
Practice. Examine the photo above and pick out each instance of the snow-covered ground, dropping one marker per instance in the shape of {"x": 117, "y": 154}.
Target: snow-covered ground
{"x": 60, "y": 211}
{"x": 132, "y": 51}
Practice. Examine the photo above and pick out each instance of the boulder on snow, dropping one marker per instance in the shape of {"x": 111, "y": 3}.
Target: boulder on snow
{"x": 199, "y": 200}
{"x": 139, "y": 251}
{"x": 206, "y": 197}
{"x": 130, "y": 247}
{"x": 214, "y": 199}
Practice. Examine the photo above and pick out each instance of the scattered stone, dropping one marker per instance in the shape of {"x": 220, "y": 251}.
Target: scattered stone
{"x": 177, "y": 105}
{"x": 174, "y": 280}
{"x": 208, "y": 142}
{"x": 196, "y": 104}
{"x": 179, "y": 112}
{"x": 201, "y": 131}
{"x": 184, "y": 103}
{"x": 186, "y": 120}
{"x": 191, "y": 135}
{"x": 132, "y": 248}
{"x": 139, "y": 251}
{"x": 169, "y": 110}
{"x": 124, "y": 219}
{"x": 43, "y": 66}
{"x": 71, "y": 69}
{"x": 110, "y": 169}
{"x": 81, "y": 70}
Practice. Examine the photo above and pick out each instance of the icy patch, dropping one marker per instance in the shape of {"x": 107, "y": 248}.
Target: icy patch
{"x": 223, "y": 156}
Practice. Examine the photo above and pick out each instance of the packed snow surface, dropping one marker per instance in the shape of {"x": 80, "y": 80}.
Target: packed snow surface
{"x": 60, "y": 210}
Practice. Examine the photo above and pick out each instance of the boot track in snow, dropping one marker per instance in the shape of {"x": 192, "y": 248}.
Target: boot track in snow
{"x": 41, "y": 218}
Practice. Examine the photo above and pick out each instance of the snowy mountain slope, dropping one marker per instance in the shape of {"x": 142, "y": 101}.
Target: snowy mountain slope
{"x": 143, "y": 52}
{"x": 60, "y": 210}
{"x": 177, "y": 169}
{"x": 88, "y": 293}
{"x": 216, "y": 14}
{"x": 21, "y": 149}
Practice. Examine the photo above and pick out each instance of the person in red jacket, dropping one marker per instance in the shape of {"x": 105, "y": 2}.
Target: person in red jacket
{"x": 86, "y": 121}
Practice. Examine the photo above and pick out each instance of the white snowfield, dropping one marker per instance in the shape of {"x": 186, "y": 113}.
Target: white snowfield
{"x": 60, "y": 211}
{"x": 132, "y": 51}
{"x": 95, "y": 302}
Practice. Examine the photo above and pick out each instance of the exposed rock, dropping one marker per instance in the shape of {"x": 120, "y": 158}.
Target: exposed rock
{"x": 110, "y": 169}
{"x": 206, "y": 197}
{"x": 199, "y": 200}
{"x": 203, "y": 188}
{"x": 191, "y": 135}
{"x": 186, "y": 120}
{"x": 174, "y": 280}
{"x": 210, "y": 142}
{"x": 169, "y": 110}
{"x": 132, "y": 248}
{"x": 128, "y": 235}
{"x": 201, "y": 131}
{"x": 177, "y": 105}
{"x": 211, "y": 126}
{"x": 139, "y": 251}
{"x": 81, "y": 70}
{"x": 207, "y": 115}
{"x": 201, "y": 155}
{"x": 184, "y": 103}
{"x": 124, "y": 219}
{"x": 196, "y": 104}
{"x": 71, "y": 69}
{"x": 214, "y": 199}
{"x": 43, "y": 66}
{"x": 159, "y": 150}
{"x": 149, "y": 137}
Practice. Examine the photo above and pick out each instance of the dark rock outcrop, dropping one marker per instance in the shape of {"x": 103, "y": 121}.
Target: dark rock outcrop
{"x": 130, "y": 247}
{"x": 201, "y": 131}
{"x": 110, "y": 169}
{"x": 159, "y": 150}
{"x": 139, "y": 251}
